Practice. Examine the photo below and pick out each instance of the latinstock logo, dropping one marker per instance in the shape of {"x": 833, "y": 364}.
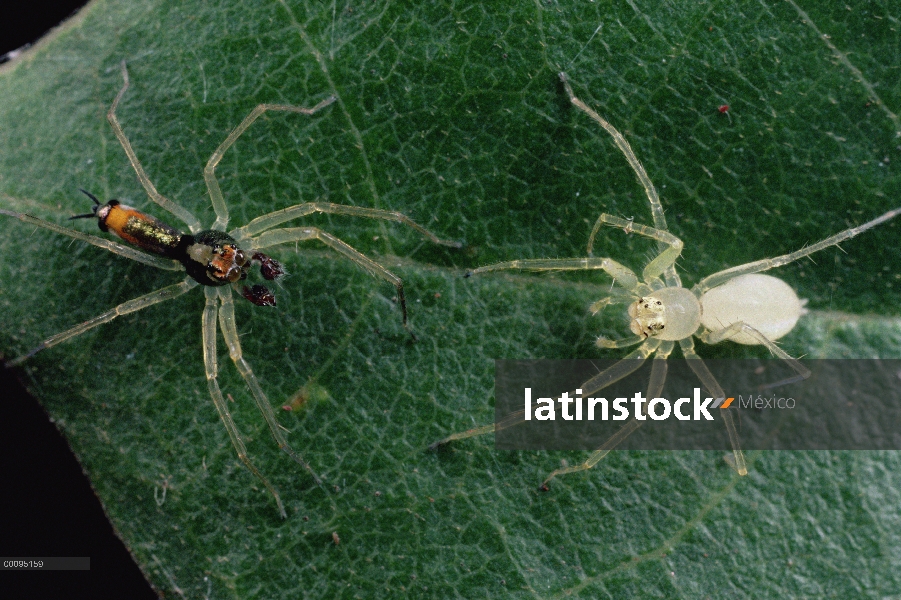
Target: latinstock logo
{"x": 669, "y": 405}
{"x": 657, "y": 409}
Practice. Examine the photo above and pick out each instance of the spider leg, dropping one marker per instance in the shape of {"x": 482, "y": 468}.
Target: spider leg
{"x": 613, "y": 297}
{"x": 603, "y": 342}
{"x": 626, "y": 149}
{"x": 713, "y": 387}
{"x": 270, "y": 220}
{"x": 663, "y": 261}
{"x": 711, "y": 281}
{"x": 133, "y": 305}
{"x": 115, "y": 248}
{"x": 299, "y": 234}
{"x": 715, "y": 337}
{"x": 672, "y": 278}
{"x": 516, "y": 418}
{"x": 209, "y": 172}
{"x": 622, "y": 368}
{"x": 611, "y": 375}
{"x": 182, "y": 213}
{"x": 624, "y": 276}
{"x": 230, "y": 333}
{"x": 212, "y": 368}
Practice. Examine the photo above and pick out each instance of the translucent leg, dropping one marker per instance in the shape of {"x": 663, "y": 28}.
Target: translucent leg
{"x": 603, "y": 342}
{"x": 626, "y": 149}
{"x": 672, "y": 278}
{"x": 628, "y": 365}
{"x": 212, "y": 369}
{"x": 655, "y": 388}
{"x": 182, "y": 213}
{"x": 621, "y": 274}
{"x": 516, "y": 418}
{"x": 666, "y": 259}
{"x": 136, "y": 304}
{"x": 126, "y": 251}
{"x": 614, "y": 297}
{"x": 299, "y": 234}
{"x": 711, "y": 281}
{"x": 713, "y": 387}
{"x": 268, "y": 221}
{"x": 715, "y": 337}
{"x": 230, "y": 334}
{"x": 209, "y": 172}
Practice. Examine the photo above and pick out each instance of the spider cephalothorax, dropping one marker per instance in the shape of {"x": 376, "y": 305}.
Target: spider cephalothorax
{"x": 670, "y": 313}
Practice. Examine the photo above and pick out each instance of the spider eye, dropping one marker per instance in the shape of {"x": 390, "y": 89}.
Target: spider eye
{"x": 235, "y": 273}
{"x": 240, "y": 258}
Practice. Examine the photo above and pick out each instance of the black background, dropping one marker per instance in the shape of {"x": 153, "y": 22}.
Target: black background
{"x": 25, "y": 22}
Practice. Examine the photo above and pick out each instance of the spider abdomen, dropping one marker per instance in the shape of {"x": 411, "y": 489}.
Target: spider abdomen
{"x": 764, "y": 302}
{"x": 139, "y": 229}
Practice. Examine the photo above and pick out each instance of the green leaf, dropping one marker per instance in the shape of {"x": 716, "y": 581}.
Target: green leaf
{"x": 452, "y": 114}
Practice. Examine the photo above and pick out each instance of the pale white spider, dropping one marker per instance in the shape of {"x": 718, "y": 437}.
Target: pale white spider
{"x": 737, "y": 304}
{"x": 215, "y": 259}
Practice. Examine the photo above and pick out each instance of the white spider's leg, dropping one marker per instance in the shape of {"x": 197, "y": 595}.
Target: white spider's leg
{"x": 622, "y": 368}
{"x": 711, "y": 281}
{"x": 626, "y": 149}
{"x": 230, "y": 334}
{"x": 622, "y": 275}
{"x": 182, "y": 213}
{"x": 209, "y": 172}
{"x": 515, "y": 418}
{"x": 603, "y": 342}
{"x": 715, "y": 337}
{"x": 672, "y": 278}
{"x": 663, "y": 261}
{"x": 655, "y": 388}
{"x": 211, "y": 366}
{"x": 613, "y": 297}
{"x": 713, "y": 387}
{"x": 270, "y": 220}
{"x": 136, "y": 304}
{"x": 298, "y": 234}
{"x": 121, "y": 250}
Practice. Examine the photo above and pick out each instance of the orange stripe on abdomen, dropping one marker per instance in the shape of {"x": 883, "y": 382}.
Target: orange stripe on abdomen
{"x": 142, "y": 230}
